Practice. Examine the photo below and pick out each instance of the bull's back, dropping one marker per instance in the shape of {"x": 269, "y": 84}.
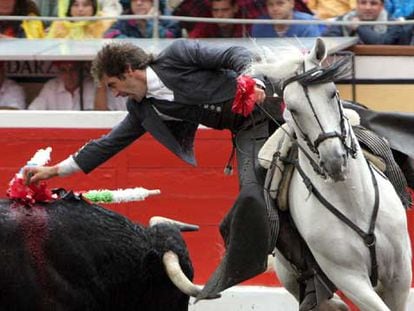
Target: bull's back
{"x": 67, "y": 255}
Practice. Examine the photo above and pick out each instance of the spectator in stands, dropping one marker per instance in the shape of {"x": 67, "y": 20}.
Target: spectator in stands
{"x": 106, "y": 7}
{"x": 368, "y": 10}
{"x": 12, "y": 95}
{"x": 399, "y": 8}
{"x": 143, "y": 28}
{"x": 64, "y": 92}
{"x": 324, "y": 9}
{"x": 284, "y": 9}
{"x": 20, "y": 29}
{"x": 80, "y": 29}
{"x": 221, "y": 9}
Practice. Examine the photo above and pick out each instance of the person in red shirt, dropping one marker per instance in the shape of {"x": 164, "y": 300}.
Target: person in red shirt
{"x": 221, "y": 9}
{"x": 30, "y": 29}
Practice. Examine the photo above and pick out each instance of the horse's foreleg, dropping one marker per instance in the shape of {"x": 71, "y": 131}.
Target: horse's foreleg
{"x": 395, "y": 292}
{"x": 396, "y": 287}
{"x": 396, "y": 298}
{"x": 358, "y": 289}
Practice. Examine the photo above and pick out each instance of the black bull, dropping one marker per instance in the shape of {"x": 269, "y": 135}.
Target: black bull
{"x": 72, "y": 255}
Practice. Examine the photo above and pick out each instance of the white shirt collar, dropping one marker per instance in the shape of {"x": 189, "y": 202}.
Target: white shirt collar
{"x": 153, "y": 82}
{"x": 156, "y": 88}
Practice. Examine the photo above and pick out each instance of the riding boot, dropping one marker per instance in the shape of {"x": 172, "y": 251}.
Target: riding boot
{"x": 246, "y": 235}
{"x": 314, "y": 285}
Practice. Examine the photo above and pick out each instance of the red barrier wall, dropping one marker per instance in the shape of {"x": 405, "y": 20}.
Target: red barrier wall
{"x": 200, "y": 195}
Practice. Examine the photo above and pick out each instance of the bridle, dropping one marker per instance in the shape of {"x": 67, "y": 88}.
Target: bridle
{"x": 311, "y": 77}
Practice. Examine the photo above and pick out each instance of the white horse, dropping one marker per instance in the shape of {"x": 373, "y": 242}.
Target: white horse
{"x": 346, "y": 181}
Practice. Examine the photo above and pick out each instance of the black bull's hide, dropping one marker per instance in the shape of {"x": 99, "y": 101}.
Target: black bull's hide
{"x": 72, "y": 255}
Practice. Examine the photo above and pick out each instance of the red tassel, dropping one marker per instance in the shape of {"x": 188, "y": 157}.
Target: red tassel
{"x": 245, "y": 98}
{"x": 29, "y": 194}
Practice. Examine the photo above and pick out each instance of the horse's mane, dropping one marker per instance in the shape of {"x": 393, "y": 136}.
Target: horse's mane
{"x": 335, "y": 71}
{"x": 278, "y": 65}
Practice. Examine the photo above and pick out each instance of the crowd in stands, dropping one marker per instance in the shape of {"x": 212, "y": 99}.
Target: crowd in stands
{"x": 73, "y": 91}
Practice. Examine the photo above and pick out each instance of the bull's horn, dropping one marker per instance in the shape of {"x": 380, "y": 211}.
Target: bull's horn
{"x": 181, "y": 225}
{"x": 177, "y": 276}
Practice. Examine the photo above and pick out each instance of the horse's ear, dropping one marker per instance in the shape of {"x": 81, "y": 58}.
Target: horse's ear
{"x": 318, "y": 52}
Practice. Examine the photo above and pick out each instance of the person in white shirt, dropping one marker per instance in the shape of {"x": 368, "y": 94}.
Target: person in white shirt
{"x": 63, "y": 92}
{"x": 12, "y": 95}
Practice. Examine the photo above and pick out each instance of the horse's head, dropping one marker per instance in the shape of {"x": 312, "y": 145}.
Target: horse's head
{"x": 313, "y": 108}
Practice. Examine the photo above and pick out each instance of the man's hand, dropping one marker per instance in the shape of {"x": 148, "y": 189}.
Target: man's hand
{"x": 33, "y": 174}
{"x": 260, "y": 94}
{"x": 354, "y": 27}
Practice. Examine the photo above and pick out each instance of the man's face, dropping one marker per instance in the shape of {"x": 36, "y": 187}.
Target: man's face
{"x": 280, "y": 9}
{"x": 223, "y": 9}
{"x": 369, "y": 10}
{"x": 69, "y": 74}
{"x": 141, "y": 7}
{"x": 7, "y": 7}
{"x": 81, "y": 8}
{"x": 133, "y": 84}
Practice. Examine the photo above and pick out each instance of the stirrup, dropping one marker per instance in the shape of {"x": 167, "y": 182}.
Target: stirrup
{"x": 308, "y": 300}
{"x": 314, "y": 291}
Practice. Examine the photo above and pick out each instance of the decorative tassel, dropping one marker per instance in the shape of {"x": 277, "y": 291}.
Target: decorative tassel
{"x": 40, "y": 158}
{"x": 120, "y": 195}
{"x": 32, "y": 193}
{"x": 245, "y": 99}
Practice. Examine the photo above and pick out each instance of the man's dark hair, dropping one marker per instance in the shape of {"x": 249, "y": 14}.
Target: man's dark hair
{"x": 25, "y": 7}
{"x": 114, "y": 59}
{"x": 232, "y": 2}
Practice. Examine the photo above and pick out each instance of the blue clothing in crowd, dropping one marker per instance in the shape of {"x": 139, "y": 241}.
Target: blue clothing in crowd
{"x": 129, "y": 29}
{"x": 268, "y": 31}
{"x": 370, "y": 34}
{"x": 399, "y": 8}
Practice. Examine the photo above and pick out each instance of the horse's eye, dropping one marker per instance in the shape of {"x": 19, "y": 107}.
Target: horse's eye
{"x": 333, "y": 95}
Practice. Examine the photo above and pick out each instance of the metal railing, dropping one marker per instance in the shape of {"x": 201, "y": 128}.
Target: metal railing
{"x": 156, "y": 17}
